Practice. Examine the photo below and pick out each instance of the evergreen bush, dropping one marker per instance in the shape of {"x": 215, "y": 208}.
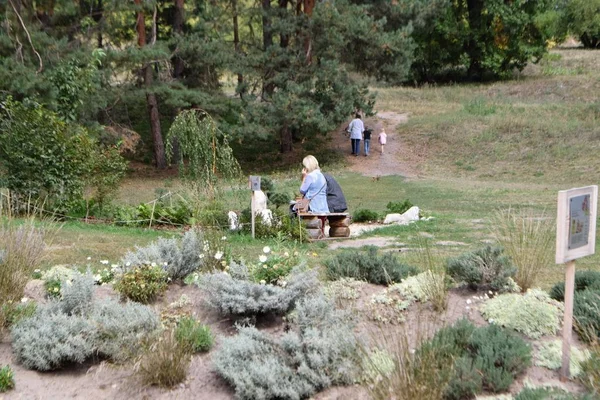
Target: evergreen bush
{"x": 487, "y": 358}
{"x": 583, "y": 280}
{"x": 236, "y": 293}
{"x": 319, "y": 351}
{"x": 180, "y": 257}
{"x": 7, "y": 379}
{"x": 368, "y": 266}
{"x": 590, "y": 371}
{"x": 586, "y": 311}
{"x": 549, "y": 355}
{"x": 193, "y": 335}
{"x": 549, "y": 393}
{"x": 487, "y": 267}
{"x": 399, "y": 207}
{"x": 364, "y": 215}
{"x": 534, "y": 314}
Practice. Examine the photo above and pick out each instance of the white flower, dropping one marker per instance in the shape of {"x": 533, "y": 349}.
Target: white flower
{"x": 286, "y": 254}
{"x": 206, "y": 247}
{"x": 491, "y": 321}
{"x": 218, "y": 255}
{"x": 89, "y": 258}
{"x": 153, "y": 264}
{"x": 201, "y": 255}
{"x": 224, "y": 238}
{"x": 468, "y": 301}
{"x": 113, "y": 266}
{"x": 266, "y": 249}
{"x": 467, "y": 307}
{"x": 105, "y": 262}
{"x": 97, "y": 278}
{"x": 283, "y": 283}
{"x": 263, "y": 282}
{"x": 24, "y": 300}
{"x": 128, "y": 264}
{"x": 262, "y": 258}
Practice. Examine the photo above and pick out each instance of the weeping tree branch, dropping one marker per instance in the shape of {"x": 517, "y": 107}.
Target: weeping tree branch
{"x": 41, "y": 68}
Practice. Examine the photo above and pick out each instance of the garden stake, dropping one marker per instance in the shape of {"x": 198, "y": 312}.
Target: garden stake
{"x": 568, "y": 321}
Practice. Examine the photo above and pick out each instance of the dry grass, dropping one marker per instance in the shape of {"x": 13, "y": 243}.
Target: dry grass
{"x": 528, "y": 239}
{"x": 436, "y": 287}
{"x": 164, "y": 363}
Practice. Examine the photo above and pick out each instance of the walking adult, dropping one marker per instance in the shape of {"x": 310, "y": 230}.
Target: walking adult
{"x": 367, "y": 140}
{"x": 356, "y": 129}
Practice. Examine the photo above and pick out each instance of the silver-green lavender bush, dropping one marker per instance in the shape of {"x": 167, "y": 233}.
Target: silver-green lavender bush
{"x": 77, "y": 293}
{"x": 180, "y": 257}
{"x": 236, "y": 293}
{"x": 57, "y": 335}
{"x": 318, "y": 352}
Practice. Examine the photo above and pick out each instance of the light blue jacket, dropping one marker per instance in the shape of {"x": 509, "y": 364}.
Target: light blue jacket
{"x": 356, "y": 128}
{"x": 314, "y": 187}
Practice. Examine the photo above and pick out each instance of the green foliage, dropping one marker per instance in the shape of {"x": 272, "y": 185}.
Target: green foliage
{"x": 369, "y": 266}
{"x": 487, "y": 358}
{"x": 534, "y": 314}
{"x": 581, "y": 18}
{"x": 272, "y": 266}
{"x": 142, "y": 283}
{"x": 583, "y": 280}
{"x": 548, "y": 393}
{"x": 586, "y": 311}
{"x": 205, "y": 148}
{"x": 399, "y": 207}
{"x": 549, "y": 355}
{"x": 11, "y": 313}
{"x": 317, "y": 352}
{"x": 76, "y": 294}
{"x": 590, "y": 371}
{"x": 194, "y": 336}
{"x": 478, "y": 39}
{"x": 7, "y": 379}
{"x": 45, "y": 158}
{"x": 213, "y": 215}
{"x": 165, "y": 362}
{"x": 364, "y": 215}
{"x": 55, "y": 277}
{"x": 234, "y": 291}
{"x": 482, "y": 268}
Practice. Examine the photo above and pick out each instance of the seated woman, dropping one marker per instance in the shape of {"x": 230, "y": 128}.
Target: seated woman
{"x": 314, "y": 186}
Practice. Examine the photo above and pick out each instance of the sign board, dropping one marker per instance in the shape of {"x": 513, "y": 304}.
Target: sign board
{"x": 576, "y": 223}
{"x": 254, "y": 183}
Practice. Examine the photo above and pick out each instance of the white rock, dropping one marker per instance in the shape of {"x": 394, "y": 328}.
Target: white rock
{"x": 234, "y": 221}
{"x": 267, "y": 216}
{"x": 411, "y": 215}
{"x": 259, "y": 201}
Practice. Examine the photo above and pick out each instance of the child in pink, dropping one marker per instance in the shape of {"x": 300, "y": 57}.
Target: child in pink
{"x": 382, "y": 139}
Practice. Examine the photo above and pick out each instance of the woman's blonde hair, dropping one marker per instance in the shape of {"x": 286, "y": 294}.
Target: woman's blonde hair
{"x": 310, "y": 163}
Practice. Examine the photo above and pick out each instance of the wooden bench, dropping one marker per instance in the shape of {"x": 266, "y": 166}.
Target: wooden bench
{"x": 339, "y": 224}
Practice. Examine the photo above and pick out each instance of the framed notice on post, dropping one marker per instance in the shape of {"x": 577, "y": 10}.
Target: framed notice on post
{"x": 576, "y": 223}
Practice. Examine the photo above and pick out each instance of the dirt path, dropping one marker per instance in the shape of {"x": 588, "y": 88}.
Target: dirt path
{"x": 397, "y": 159}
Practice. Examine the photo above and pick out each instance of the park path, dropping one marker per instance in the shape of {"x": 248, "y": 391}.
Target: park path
{"x": 398, "y": 158}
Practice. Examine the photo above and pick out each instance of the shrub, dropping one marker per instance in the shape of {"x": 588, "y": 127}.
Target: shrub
{"x": 368, "y": 266}
{"x": 274, "y": 266}
{"x": 435, "y": 286}
{"x": 364, "y": 215}
{"x": 193, "y": 336}
{"x": 77, "y": 293}
{"x": 22, "y": 248}
{"x": 583, "y": 280}
{"x": 7, "y": 379}
{"x": 344, "y": 289}
{"x": 549, "y": 355}
{"x": 534, "y": 314}
{"x": 213, "y": 215}
{"x": 548, "y": 393}
{"x": 487, "y": 267}
{"x": 54, "y": 277}
{"x": 484, "y": 358}
{"x": 590, "y": 370}
{"x": 11, "y": 313}
{"x": 319, "y": 351}
{"x": 586, "y": 311}
{"x": 399, "y": 207}
{"x": 164, "y": 363}
{"x": 51, "y": 338}
{"x": 236, "y": 293}
{"x": 181, "y": 257}
{"x": 528, "y": 240}
{"x": 142, "y": 283}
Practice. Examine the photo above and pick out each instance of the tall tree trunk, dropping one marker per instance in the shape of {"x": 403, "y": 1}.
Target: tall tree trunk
{"x": 309, "y": 5}
{"x": 99, "y": 18}
{"x": 268, "y": 87}
{"x": 285, "y": 138}
{"x": 178, "y": 19}
{"x": 284, "y": 39}
{"x": 474, "y": 9}
{"x": 159, "y": 146}
{"x": 236, "y": 38}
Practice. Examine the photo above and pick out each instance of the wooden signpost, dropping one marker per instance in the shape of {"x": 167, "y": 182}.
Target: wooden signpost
{"x": 254, "y": 183}
{"x": 575, "y": 238}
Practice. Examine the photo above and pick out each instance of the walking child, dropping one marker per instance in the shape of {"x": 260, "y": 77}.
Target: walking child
{"x": 382, "y": 139}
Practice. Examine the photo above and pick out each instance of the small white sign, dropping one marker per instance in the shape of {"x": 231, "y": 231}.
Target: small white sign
{"x": 576, "y": 223}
